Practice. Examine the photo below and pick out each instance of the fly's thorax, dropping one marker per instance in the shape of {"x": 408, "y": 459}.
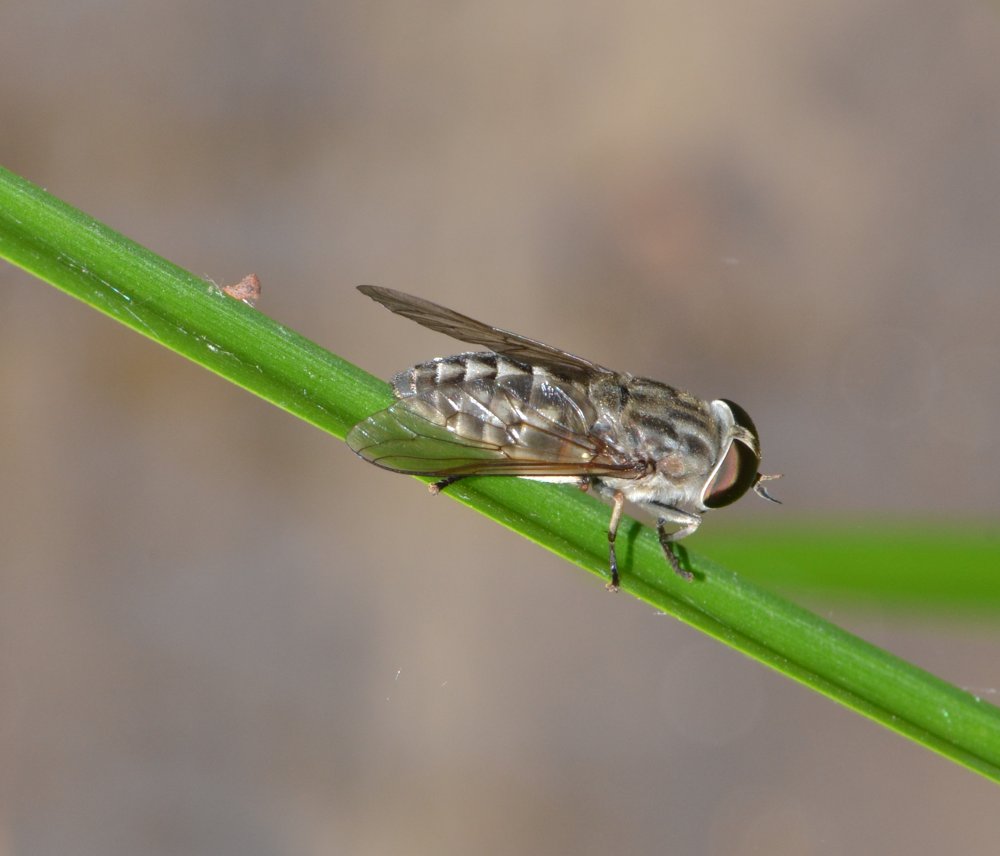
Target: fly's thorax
{"x": 678, "y": 433}
{"x": 713, "y": 464}
{"x": 709, "y": 461}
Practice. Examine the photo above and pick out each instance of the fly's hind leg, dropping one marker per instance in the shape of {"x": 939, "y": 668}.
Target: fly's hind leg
{"x": 439, "y": 486}
{"x": 616, "y": 516}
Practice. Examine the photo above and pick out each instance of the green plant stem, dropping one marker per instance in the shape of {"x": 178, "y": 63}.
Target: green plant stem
{"x": 75, "y": 253}
{"x": 912, "y": 566}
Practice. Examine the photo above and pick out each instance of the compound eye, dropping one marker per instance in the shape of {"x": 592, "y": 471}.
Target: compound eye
{"x": 733, "y": 477}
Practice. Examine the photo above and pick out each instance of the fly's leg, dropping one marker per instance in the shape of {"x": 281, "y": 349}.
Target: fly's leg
{"x": 666, "y": 542}
{"x": 439, "y": 486}
{"x": 616, "y": 516}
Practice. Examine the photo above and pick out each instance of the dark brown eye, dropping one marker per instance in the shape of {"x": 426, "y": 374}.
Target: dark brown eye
{"x": 734, "y": 477}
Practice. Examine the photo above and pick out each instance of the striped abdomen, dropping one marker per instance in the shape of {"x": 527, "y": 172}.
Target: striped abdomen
{"x": 457, "y": 369}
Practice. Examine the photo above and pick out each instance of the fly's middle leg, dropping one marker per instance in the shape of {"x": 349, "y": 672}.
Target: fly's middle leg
{"x": 616, "y": 516}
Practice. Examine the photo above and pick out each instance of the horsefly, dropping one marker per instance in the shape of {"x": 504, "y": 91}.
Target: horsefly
{"x": 523, "y": 408}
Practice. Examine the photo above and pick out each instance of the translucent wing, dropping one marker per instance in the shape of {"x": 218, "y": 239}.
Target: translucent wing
{"x": 515, "y": 426}
{"x": 466, "y": 329}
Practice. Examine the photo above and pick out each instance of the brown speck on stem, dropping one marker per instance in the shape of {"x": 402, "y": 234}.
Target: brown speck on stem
{"x": 247, "y": 289}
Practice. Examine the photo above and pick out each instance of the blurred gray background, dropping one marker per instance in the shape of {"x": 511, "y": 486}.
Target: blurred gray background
{"x": 222, "y": 633}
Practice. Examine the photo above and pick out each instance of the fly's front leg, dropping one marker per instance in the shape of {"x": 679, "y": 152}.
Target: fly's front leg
{"x": 689, "y": 522}
{"x": 616, "y": 516}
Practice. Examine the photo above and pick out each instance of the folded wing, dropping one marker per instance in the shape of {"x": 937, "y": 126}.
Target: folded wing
{"x": 466, "y": 329}
{"x": 517, "y": 426}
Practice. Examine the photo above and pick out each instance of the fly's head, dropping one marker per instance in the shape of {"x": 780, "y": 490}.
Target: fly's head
{"x": 736, "y": 469}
